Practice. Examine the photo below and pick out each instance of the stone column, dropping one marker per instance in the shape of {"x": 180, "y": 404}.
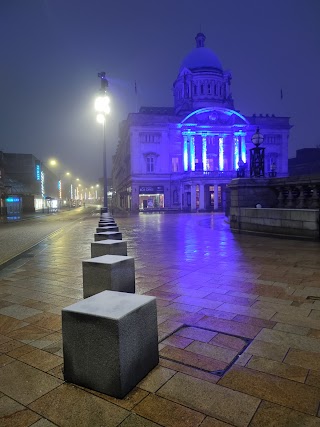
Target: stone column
{"x": 192, "y": 154}
{"x": 185, "y": 153}
{"x": 193, "y": 197}
{"x": 236, "y": 154}
{"x": 204, "y": 152}
{"x": 216, "y": 205}
{"x": 202, "y": 198}
{"x": 221, "y": 153}
{"x": 243, "y": 154}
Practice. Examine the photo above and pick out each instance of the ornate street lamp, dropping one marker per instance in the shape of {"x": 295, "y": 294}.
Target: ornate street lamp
{"x": 102, "y": 106}
{"x": 257, "y": 156}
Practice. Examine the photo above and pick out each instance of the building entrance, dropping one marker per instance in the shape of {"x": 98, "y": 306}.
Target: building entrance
{"x": 215, "y": 197}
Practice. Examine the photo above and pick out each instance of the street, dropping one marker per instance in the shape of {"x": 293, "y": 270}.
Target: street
{"x": 19, "y": 236}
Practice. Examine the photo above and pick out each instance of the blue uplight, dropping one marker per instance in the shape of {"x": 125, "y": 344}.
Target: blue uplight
{"x": 185, "y": 154}
{"x": 236, "y": 152}
{"x": 221, "y": 153}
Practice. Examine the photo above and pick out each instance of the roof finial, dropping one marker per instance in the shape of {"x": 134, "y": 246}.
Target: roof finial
{"x": 200, "y": 39}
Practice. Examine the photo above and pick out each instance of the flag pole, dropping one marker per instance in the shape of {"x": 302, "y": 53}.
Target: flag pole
{"x": 136, "y": 95}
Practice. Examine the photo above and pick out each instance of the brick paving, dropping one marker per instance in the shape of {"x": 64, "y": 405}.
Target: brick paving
{"x": 238, "y": 322}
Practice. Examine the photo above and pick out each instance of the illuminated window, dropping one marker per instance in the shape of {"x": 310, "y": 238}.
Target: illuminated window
{"x": 150, "y": 164}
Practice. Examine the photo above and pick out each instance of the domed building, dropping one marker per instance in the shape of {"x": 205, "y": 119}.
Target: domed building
{"x": 182, "y": 157}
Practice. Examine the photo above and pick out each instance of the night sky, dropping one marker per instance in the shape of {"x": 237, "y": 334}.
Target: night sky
{"x": 52, "y": 50}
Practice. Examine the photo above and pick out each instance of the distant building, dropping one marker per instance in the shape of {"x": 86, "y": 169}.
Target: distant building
{"x": 183, "y": 157}
{"x": 26, "y": 184}
{"x": 306, "y": 162}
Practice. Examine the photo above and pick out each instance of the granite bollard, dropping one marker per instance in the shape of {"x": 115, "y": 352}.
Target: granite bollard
{"x": 114, "y": 235}
{"x": 108, "y": 247}
{"x": 110, "y": 341}
{"x": 107, "y": 228}
{"x": 108, "y": 272}
{"x": 107, "y": 223}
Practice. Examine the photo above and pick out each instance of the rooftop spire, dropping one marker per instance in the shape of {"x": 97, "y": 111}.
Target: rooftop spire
{"x": 200, "y": 39}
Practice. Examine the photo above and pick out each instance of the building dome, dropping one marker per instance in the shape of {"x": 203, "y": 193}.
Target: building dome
{"x": 201, "y": 57}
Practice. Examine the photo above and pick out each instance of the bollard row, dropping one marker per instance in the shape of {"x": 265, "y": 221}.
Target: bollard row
{"x": 110, "y": 338}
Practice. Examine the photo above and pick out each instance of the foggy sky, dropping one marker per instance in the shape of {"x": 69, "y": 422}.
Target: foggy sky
{"x": 52, "y": 50}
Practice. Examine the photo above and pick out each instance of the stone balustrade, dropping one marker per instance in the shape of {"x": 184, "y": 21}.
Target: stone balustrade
{"x": 283, "y": 206}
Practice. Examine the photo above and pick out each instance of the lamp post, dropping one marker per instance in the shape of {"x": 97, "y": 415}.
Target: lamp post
{"x": 102, "y": 106}
{"x": 257, "y": 156}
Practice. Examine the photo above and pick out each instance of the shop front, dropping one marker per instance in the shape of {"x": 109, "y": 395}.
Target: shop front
{"x": 151, "y": 197}
{"x": 13, "y": 205}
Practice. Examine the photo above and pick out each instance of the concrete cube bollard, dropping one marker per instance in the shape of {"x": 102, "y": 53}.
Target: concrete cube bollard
{"x": 108, "y": 272}
{"x": 108, "y": 247}
{"x": 110, "y": 341}
{"x": 107, "y": 228}
{"x": 114, "y": 235}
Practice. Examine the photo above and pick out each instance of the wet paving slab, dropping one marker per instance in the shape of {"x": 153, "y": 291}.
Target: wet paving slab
{"x": 238, "y": 324}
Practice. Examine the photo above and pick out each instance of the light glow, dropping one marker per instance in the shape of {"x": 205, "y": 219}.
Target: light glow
{"x": 101, "y": 118}
{"x": 221, "y": 153}
{"x": 12, "y": 199}
{"x": 185, "y": 154}
{"x": 236, "y": 152}
{"x": 38, "y": 172}
{"x": 204, "y": 153}
{"x": 102, "y": 104}
{"x": 42, "y": 184}
{"x": 243, "y": 150}
{"x": 60, "y": 189}
{"x": 192, "y": 155}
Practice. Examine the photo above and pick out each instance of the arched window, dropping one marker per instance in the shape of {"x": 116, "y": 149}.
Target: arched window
{"x": 201, "y": 89}
{"x": 209, "y": 89}
{"x": 194, "y": 89}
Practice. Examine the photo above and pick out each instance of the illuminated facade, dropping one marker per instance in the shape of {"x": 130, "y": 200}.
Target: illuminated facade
{"x": 183, "y": 157}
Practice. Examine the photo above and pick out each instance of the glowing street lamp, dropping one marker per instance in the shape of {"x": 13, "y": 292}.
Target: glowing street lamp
{"x": 102, "y": 106}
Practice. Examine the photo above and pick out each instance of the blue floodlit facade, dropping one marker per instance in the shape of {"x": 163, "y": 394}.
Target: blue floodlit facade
{"x": 183, "y": 157}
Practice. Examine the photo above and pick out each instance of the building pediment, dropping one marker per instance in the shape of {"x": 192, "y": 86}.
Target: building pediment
{"x": 215, "y": 116}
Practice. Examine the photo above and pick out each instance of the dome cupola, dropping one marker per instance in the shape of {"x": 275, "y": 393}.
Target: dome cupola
{"x": 201, "y": 81}
{"x": 201, "y": 56}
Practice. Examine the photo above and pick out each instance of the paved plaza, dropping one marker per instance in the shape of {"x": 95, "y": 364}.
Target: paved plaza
{"x": 238, "y": 323}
